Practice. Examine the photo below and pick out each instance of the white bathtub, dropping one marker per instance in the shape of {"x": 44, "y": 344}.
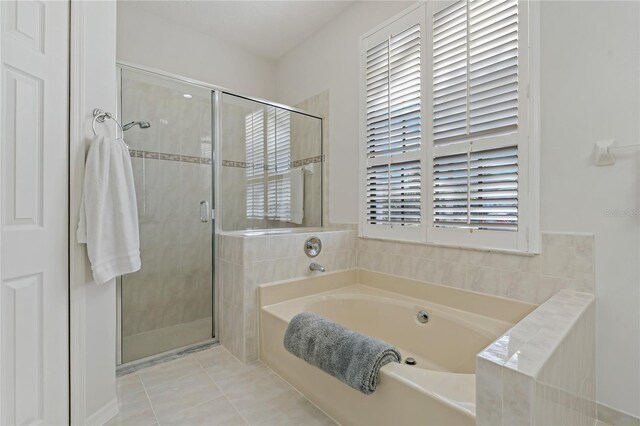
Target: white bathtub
{"x": 439, "y": 390}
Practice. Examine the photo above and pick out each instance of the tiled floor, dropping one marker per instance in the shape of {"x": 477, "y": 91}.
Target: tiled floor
{"x": 211, "y": 388}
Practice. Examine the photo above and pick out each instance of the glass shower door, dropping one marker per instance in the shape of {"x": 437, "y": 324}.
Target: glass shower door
{"x": 169, "y": 302}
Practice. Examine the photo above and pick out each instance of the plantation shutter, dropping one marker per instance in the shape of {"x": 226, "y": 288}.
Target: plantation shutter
{"x": 254, "y": 154}
{"x": 475, "y": 104}
{"x": 279, "y": 164}
{"x": 393, "y": 126}
{"x": 477, "y": 190}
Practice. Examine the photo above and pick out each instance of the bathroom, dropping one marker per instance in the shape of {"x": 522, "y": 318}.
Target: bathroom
{"x": 453, "y": 181}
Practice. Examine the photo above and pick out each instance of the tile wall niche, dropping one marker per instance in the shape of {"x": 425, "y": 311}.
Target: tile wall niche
{"x": 566, "y": 261}
{"x": 246, "y": 261}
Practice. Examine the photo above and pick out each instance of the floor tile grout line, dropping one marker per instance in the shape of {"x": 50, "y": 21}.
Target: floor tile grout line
{"x": 224, "y": 394}
{"x": 200, "y": 403}
{"x": 271, "y": 373}
{"x": 223, "y": 349}
{"x": 203, "y": 370}
{"x": 149, "y": 400}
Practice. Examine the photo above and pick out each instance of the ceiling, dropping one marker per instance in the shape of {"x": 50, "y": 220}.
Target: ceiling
{"x": 267, "y": 28}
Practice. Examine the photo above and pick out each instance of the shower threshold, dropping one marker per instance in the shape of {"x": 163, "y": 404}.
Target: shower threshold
{"x": 150, "y": 344}
{"x": 133, "y": 366}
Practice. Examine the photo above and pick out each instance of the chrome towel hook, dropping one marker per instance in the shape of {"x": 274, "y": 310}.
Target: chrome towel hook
{"x": 100, "y": 116}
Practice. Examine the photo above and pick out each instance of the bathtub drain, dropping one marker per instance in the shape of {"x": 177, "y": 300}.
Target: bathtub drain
{"x": 410, "y": 361}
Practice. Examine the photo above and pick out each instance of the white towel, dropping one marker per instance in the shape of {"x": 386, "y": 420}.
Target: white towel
{"x": 108, "y": 222}
{"x": 297, "y": 195}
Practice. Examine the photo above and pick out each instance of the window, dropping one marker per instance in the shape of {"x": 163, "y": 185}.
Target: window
{"x": 254, "y": 147}
{"x": 393, "y": 61}
{"x": 268, "y": 188}
{"x": 459, "y": 168}
{"x": 279, "y": 164}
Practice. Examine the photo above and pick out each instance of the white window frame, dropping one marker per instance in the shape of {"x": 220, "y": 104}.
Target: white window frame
{"x": 527, "y": 238}
{"x": 411, "y": 16}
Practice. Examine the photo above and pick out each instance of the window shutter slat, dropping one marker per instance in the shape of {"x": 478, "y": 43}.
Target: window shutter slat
{"x": 393, "y": 126}
{"x": 393, "y": 193}
{"x": 475, "y": 78}
{"x": 477, "y": 190}
{"x": 475, "y": 95}
{"x": 393, "y": 94}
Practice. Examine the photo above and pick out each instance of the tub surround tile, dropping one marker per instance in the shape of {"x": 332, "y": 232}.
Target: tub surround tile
{"x": 246, "y": 261}
{"x": 546, "y": 363}
{"x": 489, "y": 392}
{"x": 565, "y": 262}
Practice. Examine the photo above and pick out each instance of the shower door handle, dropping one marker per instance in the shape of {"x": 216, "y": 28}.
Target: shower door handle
{"x": 204, "y": 211}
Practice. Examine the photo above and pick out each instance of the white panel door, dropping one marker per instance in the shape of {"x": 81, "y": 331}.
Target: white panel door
{"x": 34, "y": 210}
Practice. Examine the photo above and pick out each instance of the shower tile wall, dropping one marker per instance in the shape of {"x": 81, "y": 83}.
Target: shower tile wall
{"x": 234, "y": 192}
{"x": 305, "y": 131}
{"x": 168, "y": 303}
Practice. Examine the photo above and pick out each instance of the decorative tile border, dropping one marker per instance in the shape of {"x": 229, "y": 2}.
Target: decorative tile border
{"x": 292, "y": 164}
{"x": 154, "y": 155}
{"x": 305, "y": 161}
{"x": 238, "y": 164}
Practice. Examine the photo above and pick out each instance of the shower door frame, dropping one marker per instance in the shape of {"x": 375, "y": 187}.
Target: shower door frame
{"x": 216, "y": 163}
{"x": 120, "y": 67}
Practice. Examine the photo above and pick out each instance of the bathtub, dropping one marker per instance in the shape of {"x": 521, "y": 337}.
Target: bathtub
{"x": 438, "y": 390}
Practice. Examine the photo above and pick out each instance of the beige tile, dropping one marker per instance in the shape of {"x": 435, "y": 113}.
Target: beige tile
{"x": 559, "y": 240}
{"x": 517, "y": 402}
{"x": 270, "y": 401}
{"x": 218, "y": 411}
{"x": 484, "y": 280}
{"x": 558, "y": 261}
{"x": 488, "y": 392}
{"x": 519, "y": 285}
{"x": 182, "y": 393}
{"x": 217, "y": 358}
{"x": 134, "y": 411}
{"x": 235, "y": 378}
{"x": 128, "y": 385}
{"x": 165, "y": 374}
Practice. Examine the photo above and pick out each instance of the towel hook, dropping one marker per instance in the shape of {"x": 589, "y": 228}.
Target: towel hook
{"x": 100, "y": 116}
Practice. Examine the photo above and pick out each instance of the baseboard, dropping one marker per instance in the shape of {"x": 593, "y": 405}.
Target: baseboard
{"x": 104, "y": 414}
{"x": 613, "y": 417}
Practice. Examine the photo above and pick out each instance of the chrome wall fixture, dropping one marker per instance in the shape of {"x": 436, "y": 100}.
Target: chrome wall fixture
{"x": 142, "y": 124}
{"x": 100, "y": 116}
{"x": 312, "y": 247}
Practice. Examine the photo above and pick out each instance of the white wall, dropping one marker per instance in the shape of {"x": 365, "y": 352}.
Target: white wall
{"x": 93, "y": 308}
{"x": 149, "y": 40}
{"x": 590, "y": 91}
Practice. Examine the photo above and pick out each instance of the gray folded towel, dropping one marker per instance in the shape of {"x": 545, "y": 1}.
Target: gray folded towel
{"x": 347, "y": 355}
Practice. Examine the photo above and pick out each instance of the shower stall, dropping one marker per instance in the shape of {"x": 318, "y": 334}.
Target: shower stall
{"x": 205, "y": 161}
